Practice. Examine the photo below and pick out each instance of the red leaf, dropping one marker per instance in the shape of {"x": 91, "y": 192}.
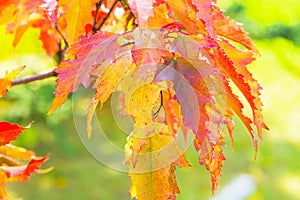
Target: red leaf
{"x": 22, "y": 173}
{"x": 9, "y": 132}
{"x": 50, "y": 41}
{"x": 72, "y": 73}
{"x": 12, "y": 158}
{"x": 235, "y": 104}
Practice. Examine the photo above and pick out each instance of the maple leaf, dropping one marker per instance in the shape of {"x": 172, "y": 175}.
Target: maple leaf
{"x": 214, "y": 162}
{"x": 152, "y": 165}
{"x": 251, "y": 92}
{"x": 18, "y": 10}
{"x": 37, "y": 14}
{"x": 142, "y": 11}
{"x": 77, "y": 13}
{"x": 173, "y": 80}
{"x": 154, "y": 185}
{"x": 21, "y": 173}
{"x": 48, "y": 37}
{"x": 187, "y": 16}
{"x": 205, "y": 62}
{"x": 240, "y": 58}
{"x": 151, "y": 150}
{"x": 11, "y": 170}
{"x": 106, "y": 84}
{"x": 6, "y": 82}
{"x": 73, "y": 72}
{"x": 159, "y": 20}
{"x": 9, "y": 132}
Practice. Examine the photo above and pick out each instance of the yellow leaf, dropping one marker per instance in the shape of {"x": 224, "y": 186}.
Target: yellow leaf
{"x": 107, "y": 84}
{"x": 110, "y": 78}
{"x": 6, "y": 82}
{"x": 142, "y": 102}
{"x": 152, "y": 164}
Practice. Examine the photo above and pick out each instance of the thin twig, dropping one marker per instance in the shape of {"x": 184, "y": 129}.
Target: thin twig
{"x": 98, "y": 6}
{"x": 63, "y": 37}
{"x": 107, "y": 15}
{"x": 34, "y": 77}
{"x": 160, "y": 106}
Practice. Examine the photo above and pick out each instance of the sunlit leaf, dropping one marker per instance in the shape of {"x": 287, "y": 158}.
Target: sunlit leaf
{"x": 142, "y": 10}
{"x": 9, "y": 132}
{"x": 12, "y": 158}
{"x": 22, "y": 173}
{"x": 74, "y": 72}
{"x": 174, "y": 64}
{"x": 77, "y": 13}
{"x": 6, "y": 82}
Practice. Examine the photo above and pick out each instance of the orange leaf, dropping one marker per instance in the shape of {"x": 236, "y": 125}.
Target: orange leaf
{"x": 232, "y": 30}
{"x": 107, "y": 84}
{"x": 37, "y": 14}
{"x": 214, "y": 163}
{"x": 18, "y": 10}
{"x": 187, "y": 16}
{"x": 50, "y": 40}
{"x": 240, "y": 59}
{"x": 159, "y": 19}
{"x": 3, "y": 193}
{"x": 6, "y": 82}
{"x": 247, "y": 85}
{"x": 77, "y": 13}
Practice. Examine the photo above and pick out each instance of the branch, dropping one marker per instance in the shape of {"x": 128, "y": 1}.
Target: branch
{"x": 98, "y": 6}
{"x": 35, "y": 77}
{"x": 62, "y": 36}
{"x": 107, "y": 15}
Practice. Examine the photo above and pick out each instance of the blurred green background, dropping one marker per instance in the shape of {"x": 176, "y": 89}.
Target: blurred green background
{"x": 275, "y": 27}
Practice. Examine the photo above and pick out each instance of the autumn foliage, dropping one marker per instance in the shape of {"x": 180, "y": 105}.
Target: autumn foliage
{"x": 16, "y": 163}
{"x": 174, "y": 63}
